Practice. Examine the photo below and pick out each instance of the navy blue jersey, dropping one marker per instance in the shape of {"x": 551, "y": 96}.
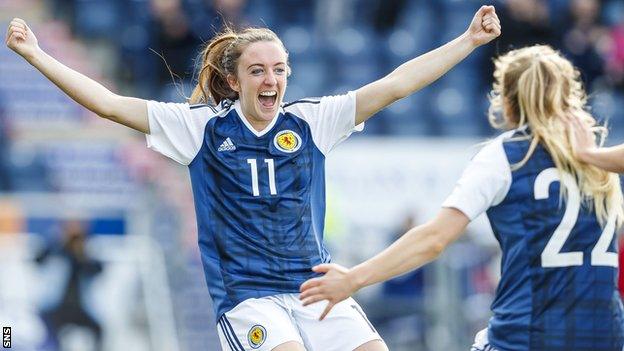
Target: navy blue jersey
{"x": 558, "y": 288}
{"x": 259, "y": 196}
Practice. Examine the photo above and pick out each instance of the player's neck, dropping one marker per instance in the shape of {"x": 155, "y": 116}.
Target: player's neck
{"x": 252, "y": 118}
{"x": 258, "y": 125}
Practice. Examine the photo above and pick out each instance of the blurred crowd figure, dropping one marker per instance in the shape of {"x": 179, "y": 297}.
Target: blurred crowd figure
{"x": 582, "y": 38}
{"x": 81, "y": 269}
{"x": 174, "y": 39}
{"x": 403, "y": 296}
{"x": 615, "y": 56}
{"x": 408, "y": 286}
{"x": 527, "y": 22}
{"x": 588, "y": 32}
{"x": 5, "y": 184}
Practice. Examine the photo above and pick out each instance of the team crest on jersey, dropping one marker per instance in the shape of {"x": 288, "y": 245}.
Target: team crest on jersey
{"x": 287, "y": 141}
{"x": 256, "y": 336}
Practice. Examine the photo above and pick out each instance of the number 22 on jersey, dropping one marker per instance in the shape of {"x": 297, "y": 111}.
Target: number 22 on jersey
{"x": 552, "y": 255}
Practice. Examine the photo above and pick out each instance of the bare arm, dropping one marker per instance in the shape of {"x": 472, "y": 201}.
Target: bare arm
{"x": 131, "y": 112}
{"x": 417, "y": 247}
{"x": 427, "y": 68}
{"x": 584, "y": 145}
{"x": 608, "y": 158}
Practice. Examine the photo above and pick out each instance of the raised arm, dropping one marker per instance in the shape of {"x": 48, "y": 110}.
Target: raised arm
{"x": 425, "y": 69}
{"x": 584, "y": 145}
{"x": 131, "y": 112}
{"x": 417, "y": 247}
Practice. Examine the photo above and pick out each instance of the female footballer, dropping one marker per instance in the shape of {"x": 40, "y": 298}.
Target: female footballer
{"x": 257, "y": 173}
{"x": 553, "y": 215}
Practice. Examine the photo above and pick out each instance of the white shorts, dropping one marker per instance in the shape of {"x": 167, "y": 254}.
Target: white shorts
{"x": 481, "y": 342}
{"x": 264, "y": 323}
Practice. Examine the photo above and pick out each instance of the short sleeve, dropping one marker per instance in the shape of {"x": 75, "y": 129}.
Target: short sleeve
{"x": 177, "y": 130}
{"x": 331, "y": 118}
{"x": 484, "y": 183}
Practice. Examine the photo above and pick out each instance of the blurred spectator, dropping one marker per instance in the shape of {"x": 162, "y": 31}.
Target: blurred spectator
{"x": 209, "y": 16}
{"x": 70, "y": 310}
{"x": 615, "y": 58}
{"x": 386, "y": 14}
{"x": 400, "y": 317}
{"x": 174, "y": 40}
{"x": 230, "y": 10}
{"x": 5, "y": 184}
{"x": 582, "y": 36}
{"x": 64, "y": 10}
{"x": 526, "y": 22}
{"x": 409, "y": 285}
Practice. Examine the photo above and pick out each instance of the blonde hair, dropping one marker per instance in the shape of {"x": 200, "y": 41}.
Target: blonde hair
{"x": 219, "y": 58}
{"x": 538, "y": 87}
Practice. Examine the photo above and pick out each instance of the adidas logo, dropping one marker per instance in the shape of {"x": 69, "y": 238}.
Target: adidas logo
{"x": 227, "y": 145}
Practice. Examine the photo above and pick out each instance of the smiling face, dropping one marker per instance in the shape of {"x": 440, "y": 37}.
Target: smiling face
{"x": 260, "y": 81}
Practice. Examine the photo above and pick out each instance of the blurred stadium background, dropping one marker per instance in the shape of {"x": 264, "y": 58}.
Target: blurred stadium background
{"x": 65, "y": 174}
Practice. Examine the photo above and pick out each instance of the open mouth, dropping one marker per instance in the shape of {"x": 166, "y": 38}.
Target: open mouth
{"x": 268, "y": 98}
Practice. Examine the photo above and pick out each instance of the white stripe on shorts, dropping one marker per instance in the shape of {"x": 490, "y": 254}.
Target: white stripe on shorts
{"x": 228, "y": 333}
{"x": 481, "y": 342}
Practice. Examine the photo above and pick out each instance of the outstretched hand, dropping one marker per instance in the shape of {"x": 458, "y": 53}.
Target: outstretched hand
{"x": 485, "y": 26}
{"x": 335, "y": 286}
{"x": 582, "y": 138}
{"x": 20, "y": 38}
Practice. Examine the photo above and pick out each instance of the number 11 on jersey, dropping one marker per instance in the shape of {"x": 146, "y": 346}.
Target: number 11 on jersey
{"x": 254, "y": 176}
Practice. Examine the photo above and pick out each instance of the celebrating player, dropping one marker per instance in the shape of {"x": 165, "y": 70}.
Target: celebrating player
{"x": 257, "y": 172}
{"x": 553, "y": 216}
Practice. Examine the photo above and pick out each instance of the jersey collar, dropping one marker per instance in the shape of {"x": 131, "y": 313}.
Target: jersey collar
{"x": 239, "y": 112}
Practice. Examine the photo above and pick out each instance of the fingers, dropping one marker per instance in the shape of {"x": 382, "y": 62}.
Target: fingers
{"x": 310, "y": 283}
{"x": 485, "y": 10}
{"x": 313, "y": 296}
{"x": 326, "y": 311}
{"x": 578, "y": 129}
{"x": 310, "y": 292}
{"x": 17, "y": 24}
{"x": 479, "y": 14}
{"x": 322, "y": 268}
{"x": 581, "y": 134}
{"x": 586, "y": 127}
{"x": 494, "y": 29}
{"x": 16, "y": 30}
{"x": 572, "y": 122}
{"x": 313, "y": 299}
{"x": 580, "y": 124}
{"x": 486, "y": 20}
{"x": 490, "y": 20}
{"x": 13, "y": 38}
{"x": 491, "y": 23}
{"x": 20, "y": 22}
